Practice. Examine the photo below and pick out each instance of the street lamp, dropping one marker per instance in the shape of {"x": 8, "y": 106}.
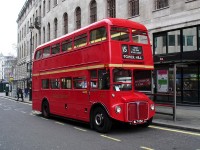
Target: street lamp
{"x": 31, "y": 27}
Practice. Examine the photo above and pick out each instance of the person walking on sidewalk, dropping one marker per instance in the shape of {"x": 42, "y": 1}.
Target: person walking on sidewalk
{"x": 20, "y": 94}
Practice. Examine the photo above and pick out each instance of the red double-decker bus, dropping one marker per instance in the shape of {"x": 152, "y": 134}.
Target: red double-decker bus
{"x": 89, "y": 75}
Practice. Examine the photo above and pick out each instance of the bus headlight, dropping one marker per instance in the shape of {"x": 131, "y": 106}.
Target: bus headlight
{"x": 152, "y": 107}
{"x": 118, "y": 109}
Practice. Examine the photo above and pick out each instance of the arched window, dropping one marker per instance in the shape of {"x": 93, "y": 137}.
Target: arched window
{"x": 36, "y": 40}
{"x": 44, "y": 34}
{"x": 111, "y": 8}
{"x": 48, "y": 32}
{"x": 55, "y": 28}
{"x": 133, "y": 7}
{"x": 93, "y": 11}
{"x": 49, "y": 5}
{"x": 78, "y": 17}
{"x": 44, "y": 8}
{"x": 65, "y": 23}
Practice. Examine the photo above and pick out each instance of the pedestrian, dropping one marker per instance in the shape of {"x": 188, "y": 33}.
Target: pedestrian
{"x": 20, "y": 94}
{"x": 26, "y": 92}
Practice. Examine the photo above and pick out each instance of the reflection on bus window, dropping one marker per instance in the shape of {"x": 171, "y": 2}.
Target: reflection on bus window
{"x": 55, "y": 84}
{"x": 80, "y": 83}
{"x": 98, "y": 35}
{"x": 45, "y": 83}
{"x": 104, "y": 79}
{"x": 122, "y": 80}
{"x": 38, "y": 54}
{"x": 119, "y": 34}
{"x": 55, "y": 49}
{"x": 94, "y": 80}
{"x": 46, "y": 52}
{"x": 67, "y": 45}
{"x": 80, "y": 41}
{"x": 139, "y": 37}
{"x": 66, "y": 83}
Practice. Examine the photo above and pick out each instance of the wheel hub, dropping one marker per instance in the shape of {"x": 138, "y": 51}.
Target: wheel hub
{"x": 99, "y": 119}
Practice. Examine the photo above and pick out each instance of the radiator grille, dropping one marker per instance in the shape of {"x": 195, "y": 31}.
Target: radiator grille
{"x": 137, "y": 111}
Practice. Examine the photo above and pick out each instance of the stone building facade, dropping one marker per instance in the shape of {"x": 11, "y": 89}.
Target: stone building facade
{"x": 55, "y": 18}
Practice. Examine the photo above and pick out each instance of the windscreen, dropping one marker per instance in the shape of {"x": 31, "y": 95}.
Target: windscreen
{"x": 122, "y": 79}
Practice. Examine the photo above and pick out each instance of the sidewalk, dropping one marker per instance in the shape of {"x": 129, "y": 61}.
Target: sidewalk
{"x": 26, "y": 100}
{"x": 187, "y": 117}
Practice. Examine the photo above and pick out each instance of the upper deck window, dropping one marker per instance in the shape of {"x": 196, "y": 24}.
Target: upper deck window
{"x": 67, "y": 45}
{"x": 38, "y": 54}
{"x": 98, "y": 35}
{"x": 120, "y": 34}
{"x": 55, "y": 49}
{"x": 139, "y": 36}
{"x": 46, "y": 52}
{"x": 80, "y": 41}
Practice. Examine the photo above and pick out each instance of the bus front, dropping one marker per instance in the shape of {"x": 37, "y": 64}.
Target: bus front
{"x": 130, "y": 72}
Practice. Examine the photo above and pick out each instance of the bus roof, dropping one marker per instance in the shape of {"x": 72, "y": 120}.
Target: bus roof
{"x": 109, "y": 21}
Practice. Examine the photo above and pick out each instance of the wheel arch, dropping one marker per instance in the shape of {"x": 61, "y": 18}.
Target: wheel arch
{"x": 94, "y": 106}
{"x": 45, "y": 99}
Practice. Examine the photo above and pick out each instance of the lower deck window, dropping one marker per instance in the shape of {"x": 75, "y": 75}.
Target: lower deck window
{"x": 45, "y": 83}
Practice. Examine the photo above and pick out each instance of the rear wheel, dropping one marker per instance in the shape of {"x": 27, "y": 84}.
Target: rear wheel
{"x": 101, "y": 121}
{"x": 45, "y": 109}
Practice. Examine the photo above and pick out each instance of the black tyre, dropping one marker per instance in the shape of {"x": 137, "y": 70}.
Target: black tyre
{"x": 45, "y": 109}
{"x": 101, "y": 121}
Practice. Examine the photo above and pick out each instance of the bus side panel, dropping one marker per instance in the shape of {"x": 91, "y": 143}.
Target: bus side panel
{"x": 36, "y": 93}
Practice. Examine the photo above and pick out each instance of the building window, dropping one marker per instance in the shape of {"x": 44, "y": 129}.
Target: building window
{"x": 55, "y": 2}
{"x": 174, "y": 41}
{"x": 159, "y": 4}
{"x": 133, "y": 7}
{"x": 111, "y": 8}
{"x": 44, "y": 8}
{"x": 190, "y": 39}
{"x": 93, "y": 11}
{"x": 160, "y": 44}
{"x": 78, "y": 17}
{"x": 48, "y": 32}
{"x": 49, "y": 5}
{"x": 55, "y": 28}
{"x": 44, "y": 34}
{"x": 65, "y": 18}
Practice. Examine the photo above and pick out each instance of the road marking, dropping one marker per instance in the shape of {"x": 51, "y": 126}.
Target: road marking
{"x": 60, "y": 123}
{"x": 146, "y": 148}
{"x": 111, "y": 138}
{"x": 80, "y": 129}
{"x": 44, "y": 118}
{"x": 32, "y": 114}
{"x": 23, "y": 112}
{"x": 174, "y": 130}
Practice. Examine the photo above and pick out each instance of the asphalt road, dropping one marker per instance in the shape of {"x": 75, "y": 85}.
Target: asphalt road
{"x": 22, "y": 129}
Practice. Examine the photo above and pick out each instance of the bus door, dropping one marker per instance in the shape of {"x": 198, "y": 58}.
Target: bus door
{"x": 80, "y": 97}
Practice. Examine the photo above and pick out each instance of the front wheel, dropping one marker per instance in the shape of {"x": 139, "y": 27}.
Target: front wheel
{"x": 101, "y": 121}
{"x": 45, "y": 109}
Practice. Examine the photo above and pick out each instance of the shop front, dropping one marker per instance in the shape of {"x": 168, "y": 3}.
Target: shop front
{"x": 179, "y": 48}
